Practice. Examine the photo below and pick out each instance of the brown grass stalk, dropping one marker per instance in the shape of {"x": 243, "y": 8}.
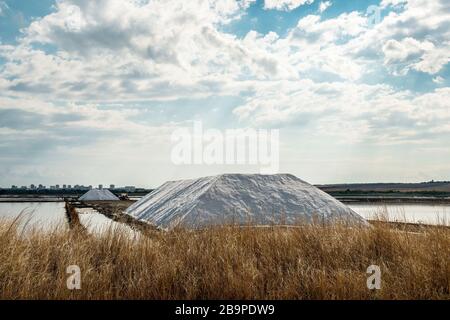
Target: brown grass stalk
{"x": 304, "y": 262}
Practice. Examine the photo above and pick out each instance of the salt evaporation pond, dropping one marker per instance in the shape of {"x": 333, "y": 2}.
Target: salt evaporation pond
{"x": 97, "y": 223}
{"x": 40, "y": 215}
{"x": 436, "y": 214}
{"x": 47, "y": 215}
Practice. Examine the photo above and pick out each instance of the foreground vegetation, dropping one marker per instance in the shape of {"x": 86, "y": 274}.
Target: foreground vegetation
{"x": 304, "y": 262}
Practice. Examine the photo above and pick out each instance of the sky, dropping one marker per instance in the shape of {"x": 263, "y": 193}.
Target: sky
{"x": 92, "y": 91}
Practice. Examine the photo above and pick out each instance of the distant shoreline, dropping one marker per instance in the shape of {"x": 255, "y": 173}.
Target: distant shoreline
{"x": 433, "y": 192}
{"x": 361, "y": 198}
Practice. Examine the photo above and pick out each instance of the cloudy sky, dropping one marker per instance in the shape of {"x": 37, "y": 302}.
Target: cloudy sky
{"x": 91, "y": 91}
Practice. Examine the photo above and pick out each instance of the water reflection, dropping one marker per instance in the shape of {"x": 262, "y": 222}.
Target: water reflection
{"x": 97, "y": 223}
{"x": 39, "y": 215}
{"x": 414, "y": 213}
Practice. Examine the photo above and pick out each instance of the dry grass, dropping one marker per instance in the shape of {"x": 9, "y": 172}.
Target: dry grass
{"x": 310, "y": 262}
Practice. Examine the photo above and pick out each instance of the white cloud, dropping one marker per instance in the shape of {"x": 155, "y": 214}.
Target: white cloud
{"x": 420, "y": 28}
{"x": 433, "y": 61}
{"x": 412, "y": 54}
{"x": 136, "y": 49}
{"x": 438, "y": 80}
{"x": 406, "y": 49}
{"x": 167, "y": 50}
{"x": 400, "y": 56}
{"x": 311, "y": 29}
{"x": 113, "y": 51}
{"x": 394, "y": 3}
{"x": 285, "y": 5}
{"x": 349, "y": 111}
{"x": 135, "y": 55}
{"x": 324, "y": 5}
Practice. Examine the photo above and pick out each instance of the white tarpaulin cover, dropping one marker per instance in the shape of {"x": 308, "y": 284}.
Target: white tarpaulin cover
{"x": 240, "y": 199}
{"x": 96, "y": 195}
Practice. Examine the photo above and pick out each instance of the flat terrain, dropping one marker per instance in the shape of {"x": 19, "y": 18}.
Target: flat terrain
{"x": 439, "y": 186}
{"x": 425, "y": 192}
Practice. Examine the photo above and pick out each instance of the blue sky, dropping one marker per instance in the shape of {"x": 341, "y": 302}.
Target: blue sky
{"x": 280, "y": 21}
{"x": 359, "y": 90}
{"x": 18, "y": 14}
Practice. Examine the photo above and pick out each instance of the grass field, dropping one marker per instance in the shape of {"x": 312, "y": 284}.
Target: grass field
{"x": 304, "y": 262}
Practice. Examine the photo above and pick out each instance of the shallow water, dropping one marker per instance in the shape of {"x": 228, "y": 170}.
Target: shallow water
{"x": 40, "y": 215}
{"x": 47, "y": 215}
{"x": 414, "y": 213}
{"x": 97, "y": 223}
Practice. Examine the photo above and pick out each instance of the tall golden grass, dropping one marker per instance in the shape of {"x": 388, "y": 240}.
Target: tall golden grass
{"x": 304, "y": 262}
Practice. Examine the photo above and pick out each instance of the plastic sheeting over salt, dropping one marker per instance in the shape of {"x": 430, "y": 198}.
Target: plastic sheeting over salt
{"x": 239, "y": 199}
{"x": 98, "y": 195}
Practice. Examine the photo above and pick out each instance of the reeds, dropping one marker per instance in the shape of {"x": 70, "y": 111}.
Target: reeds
{"x": 303, "y": 262}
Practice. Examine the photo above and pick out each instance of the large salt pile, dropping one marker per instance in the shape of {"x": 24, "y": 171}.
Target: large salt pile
{"x": 98, "y": 195}
{"x": 239, "y": 199}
